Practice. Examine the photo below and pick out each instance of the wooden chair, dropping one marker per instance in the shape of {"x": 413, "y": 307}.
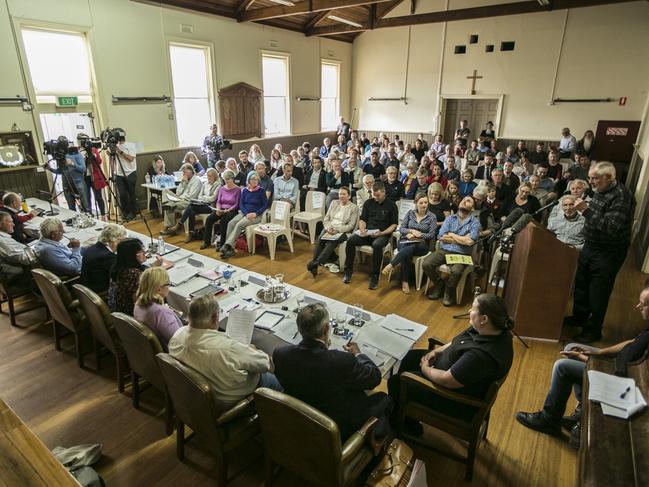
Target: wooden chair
{"x": 196, "y": 406}
{"x": 307, "y": 443}
{"x": 64, "y": 310}
{"x": 280, "y": 214}
{"x": 313, "y": 214}
{"x": 471, "y": 430}
{"x": 101, "y": 325}
{"x": 141, "y": 347}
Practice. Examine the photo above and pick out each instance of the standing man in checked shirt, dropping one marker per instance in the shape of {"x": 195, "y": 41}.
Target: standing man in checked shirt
{"x": 457, "y": 235}
{"x": 213, "y": 146}
{"x": 607, "y": 232}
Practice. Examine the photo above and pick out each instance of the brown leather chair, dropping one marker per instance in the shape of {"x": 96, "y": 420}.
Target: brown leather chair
{"x": 307, "y": 443}
{"x": 101, "y": 325}
{"x": 141, "y": 346}
{"x": 196, "y": 406}
{"x": 20, "y": 288}
{"x": 64, "y": 310}
{"x": 472, "y": 430}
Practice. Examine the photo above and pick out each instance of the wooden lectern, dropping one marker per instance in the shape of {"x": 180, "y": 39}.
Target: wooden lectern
{"x": 540, "y": 278}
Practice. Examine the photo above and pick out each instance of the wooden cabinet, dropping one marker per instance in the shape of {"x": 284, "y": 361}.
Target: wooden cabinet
{"x": 240, "y": 110}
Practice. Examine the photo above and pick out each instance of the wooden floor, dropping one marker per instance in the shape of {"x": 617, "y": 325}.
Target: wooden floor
{"x": 67, "y": 406}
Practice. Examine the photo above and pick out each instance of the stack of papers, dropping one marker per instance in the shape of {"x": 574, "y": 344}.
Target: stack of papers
{"x": 181, "y": 273}
{"x": 618, "y": 396}
{"x": 241, "y": 324}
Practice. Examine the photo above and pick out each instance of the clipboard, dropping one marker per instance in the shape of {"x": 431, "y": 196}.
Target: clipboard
{"x": 268, "y": 319}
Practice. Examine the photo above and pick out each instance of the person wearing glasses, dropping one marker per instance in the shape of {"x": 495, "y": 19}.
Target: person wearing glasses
{"x": 150, "y": 308}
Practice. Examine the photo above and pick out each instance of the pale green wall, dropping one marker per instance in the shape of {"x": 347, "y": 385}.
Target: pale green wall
{"x": 129, "y": 49}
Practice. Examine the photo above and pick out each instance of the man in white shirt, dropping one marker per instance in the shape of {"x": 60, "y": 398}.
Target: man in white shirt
{"x": 567, "y": 144}
{"x": 11, "y": 251}
{"x": 234, "y": 370}
{"x": 125, "y": 170}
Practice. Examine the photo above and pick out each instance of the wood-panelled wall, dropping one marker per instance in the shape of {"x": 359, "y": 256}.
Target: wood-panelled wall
{"x": 25, "y": 181}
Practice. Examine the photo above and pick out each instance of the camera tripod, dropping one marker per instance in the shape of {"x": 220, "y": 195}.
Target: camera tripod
{"x": 72, "y": 188}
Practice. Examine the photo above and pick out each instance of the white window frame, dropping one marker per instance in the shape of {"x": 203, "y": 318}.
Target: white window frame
{"x": 287, "y": 58}
{"x": 338, "y": 64}
{"x": 208, "y": 48}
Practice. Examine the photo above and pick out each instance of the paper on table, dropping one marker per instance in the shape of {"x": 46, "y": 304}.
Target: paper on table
{"x": 626, "y": 413}
{"x": 402, "y": 326}
{"x": 287, "y": 331}
{"x": 256, "y": 280}
{"x": 389, "y": 342}
{"x": 374, "y": 354}
{"x": 318, "y": 199}
{"x": 310, "y": 300}
{"x": 181, "y": 273}
{"x": 178, "y": 255}
{"x": 608, "y": 389}
{"x": 241, "y": 324}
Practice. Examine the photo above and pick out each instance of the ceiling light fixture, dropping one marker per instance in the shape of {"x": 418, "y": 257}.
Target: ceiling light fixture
{"x": 545, "y": 3}
{"x": 345, "y": 21}
{"x": 288, "y": 3}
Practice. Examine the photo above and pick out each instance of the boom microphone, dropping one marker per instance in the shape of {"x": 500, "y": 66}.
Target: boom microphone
{"x": 511, "y": 219}
{"x": 518, "y": 227}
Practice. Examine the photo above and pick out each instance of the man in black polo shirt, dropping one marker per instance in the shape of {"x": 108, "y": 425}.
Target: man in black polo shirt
{"x": 378, "y": 220}
{"x": 393, "y": 187}
{"x": 609, "y": 217}
{"x": 374, "y": 167}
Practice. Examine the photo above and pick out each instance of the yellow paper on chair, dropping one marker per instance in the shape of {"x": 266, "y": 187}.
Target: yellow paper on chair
{"x": 458, "y": 259}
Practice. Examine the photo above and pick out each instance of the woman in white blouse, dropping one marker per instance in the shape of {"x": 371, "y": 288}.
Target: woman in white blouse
{"x": 255, "y": 155}
{"x": 339, "y": 222}
{"x": 201, "y": 204}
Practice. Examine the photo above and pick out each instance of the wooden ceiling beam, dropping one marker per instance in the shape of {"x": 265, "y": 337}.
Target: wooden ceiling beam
{"x": 243, "y": 6}
{"x": 304, "y": 7}
{"x": 204, "y": 6}
{"x": 316, "y": 20}
{"x": 515, "y": 8}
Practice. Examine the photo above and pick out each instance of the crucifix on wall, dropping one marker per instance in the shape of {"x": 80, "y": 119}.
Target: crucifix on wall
{"x": 474, "y": 78}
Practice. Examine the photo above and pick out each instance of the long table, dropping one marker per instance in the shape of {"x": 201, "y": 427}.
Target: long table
{"x": 191, "y": 264}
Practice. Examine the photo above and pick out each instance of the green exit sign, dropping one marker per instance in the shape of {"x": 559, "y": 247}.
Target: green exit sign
{"x": 67, "y": 101}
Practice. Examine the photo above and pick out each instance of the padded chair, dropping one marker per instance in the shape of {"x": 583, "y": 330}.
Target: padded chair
{"x": 141, "y": 347}
{"x": 307, "y": 443}
{"x": 101, "y": 325}
{"x": 21, "y": 288}
{"x": 64, "y": 310}
{"x": 280, "y": 214}
{"x": 471, "y": 431}
{"x": 197, "y": 406}
{"x": 313, "y": 214}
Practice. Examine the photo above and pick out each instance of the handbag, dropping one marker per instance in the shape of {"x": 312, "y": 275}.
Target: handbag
{"x": 391, "y": 470}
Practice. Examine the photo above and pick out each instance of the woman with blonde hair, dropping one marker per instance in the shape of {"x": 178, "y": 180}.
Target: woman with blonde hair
{"x": 437, "y": 205}
{"x": 150, "y": 308}
{"x": 191, "y": 158}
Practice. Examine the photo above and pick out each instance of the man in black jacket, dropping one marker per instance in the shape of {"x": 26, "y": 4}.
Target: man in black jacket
{"x": 332, "y": 381}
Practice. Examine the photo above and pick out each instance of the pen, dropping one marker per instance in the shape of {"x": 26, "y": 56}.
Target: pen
{"x": 295, "y": 336}
{"x": 405, "y": 329}
{"x": 626, "y": 391}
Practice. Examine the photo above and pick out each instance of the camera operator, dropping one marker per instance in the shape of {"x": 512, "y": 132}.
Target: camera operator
{"x": 71, "y": 166}
{"x": 125, "y": 170}
{"x": 94, "y": 179}
{"x": 213, "y": 146}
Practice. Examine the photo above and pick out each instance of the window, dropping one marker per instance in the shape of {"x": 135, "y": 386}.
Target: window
{"x": 276, "y": 94}
{"x": 50, "y": 56}
{"x": 329, "y": 96}
{"x": 190, "y": 75}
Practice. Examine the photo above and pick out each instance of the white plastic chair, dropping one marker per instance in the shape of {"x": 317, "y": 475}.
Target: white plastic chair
{"x": 280, "y": 215}
{"x": 467, "y": 274}
{"x": 314, "y": 213}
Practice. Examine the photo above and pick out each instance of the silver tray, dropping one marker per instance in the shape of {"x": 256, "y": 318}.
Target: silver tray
{"x": 278, "y": 297}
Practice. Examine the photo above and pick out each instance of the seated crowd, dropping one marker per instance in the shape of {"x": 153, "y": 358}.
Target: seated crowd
{"x": 458, "y": 196}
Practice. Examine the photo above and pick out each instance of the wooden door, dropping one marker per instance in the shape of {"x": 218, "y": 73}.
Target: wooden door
{"x": 615, "y": 140}
{"x": 476, "y": 111}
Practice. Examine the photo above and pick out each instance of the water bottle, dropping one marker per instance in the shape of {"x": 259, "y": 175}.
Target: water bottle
{"x": 147, "y": 178}
{"x": 268, "y": 290}
{"x": 161, "y": 244}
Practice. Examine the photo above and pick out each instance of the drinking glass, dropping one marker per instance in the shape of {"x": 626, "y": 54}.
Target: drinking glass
{"x": 357, "y": 314}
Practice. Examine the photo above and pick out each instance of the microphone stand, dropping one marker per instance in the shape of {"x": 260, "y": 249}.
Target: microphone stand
{"x": 543, "y": 208}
